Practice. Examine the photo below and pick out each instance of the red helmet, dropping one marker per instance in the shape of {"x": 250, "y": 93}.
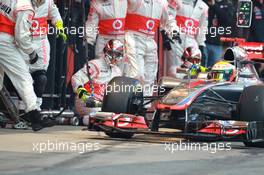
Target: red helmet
{"x": 114, "y": 51}
{"x": 191, "y": 55}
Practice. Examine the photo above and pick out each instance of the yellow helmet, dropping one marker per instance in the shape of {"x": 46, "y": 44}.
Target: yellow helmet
{"x": 223, "y": 71}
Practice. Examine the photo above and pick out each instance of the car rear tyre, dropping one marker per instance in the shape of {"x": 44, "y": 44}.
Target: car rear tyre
{"x": 251, "y": 108}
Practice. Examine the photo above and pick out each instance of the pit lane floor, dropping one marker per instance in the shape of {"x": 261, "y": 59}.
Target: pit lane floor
{"x": 20, "y": 154}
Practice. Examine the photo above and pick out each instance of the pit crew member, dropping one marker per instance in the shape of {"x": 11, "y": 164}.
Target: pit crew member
{"x": 191, "y": 64}
{"x": 15, "y": 40}
{"x": 89, "y": 91}
{"x": 257, "y": 26}
{"x": 220, "y": 17}
{"x": 191, "y": 18}
{"x": 107, "y": 18}
{"x": 142, "y": 21}
{"x": 44, "y": 10}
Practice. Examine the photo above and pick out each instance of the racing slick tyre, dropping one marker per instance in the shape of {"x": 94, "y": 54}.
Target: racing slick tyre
{"x": 251, "y": 108}
{"x": 119, "y": 135}
{"x": 122, "y": 96}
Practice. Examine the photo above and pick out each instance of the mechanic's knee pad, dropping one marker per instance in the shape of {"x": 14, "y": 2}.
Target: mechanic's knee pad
{"x": 40, "y": 81}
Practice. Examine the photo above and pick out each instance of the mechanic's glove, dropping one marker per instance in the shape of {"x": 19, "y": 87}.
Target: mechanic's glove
{"x": 83, "y": 94}
{"x": 176, "y": 36}
{"x": 60, "y": 28}
{"x": 194, "y": 70}
{"x": 203, "y": 69}
{"x": 90, "y": 51}
{"x": 166, "y": 40}
{"x": 33, "y": 57}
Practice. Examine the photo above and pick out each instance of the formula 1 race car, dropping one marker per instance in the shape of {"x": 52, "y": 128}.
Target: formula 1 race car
{"x": 204, "y": 109}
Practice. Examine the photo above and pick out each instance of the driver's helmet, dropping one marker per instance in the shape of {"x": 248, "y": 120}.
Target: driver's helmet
{"x": 191, "y": 55}
{"x": 114, "y": 51}
{"x": 223, "y": 71}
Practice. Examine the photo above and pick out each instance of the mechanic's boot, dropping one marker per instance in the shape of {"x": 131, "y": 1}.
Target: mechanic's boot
{"x": 38, "y": 123}
{"x": 34, "y": 119}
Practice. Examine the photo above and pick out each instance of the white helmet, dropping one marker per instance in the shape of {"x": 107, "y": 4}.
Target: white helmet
{"x": 114, "y": 51}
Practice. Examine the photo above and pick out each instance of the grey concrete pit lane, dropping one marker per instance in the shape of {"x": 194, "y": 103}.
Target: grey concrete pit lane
{"x": 140, "y": 156}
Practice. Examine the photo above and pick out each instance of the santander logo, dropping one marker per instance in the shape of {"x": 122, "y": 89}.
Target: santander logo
{"x": 254, "y": 48}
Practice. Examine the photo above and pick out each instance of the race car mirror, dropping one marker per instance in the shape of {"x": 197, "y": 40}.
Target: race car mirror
{"x": 244, "y": 13}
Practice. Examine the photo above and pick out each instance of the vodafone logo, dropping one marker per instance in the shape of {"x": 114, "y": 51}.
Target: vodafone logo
{"x": 150, "y": 24}
{"x": 117, "y": 24}
{"x": 189, "y": 23}
{"x": 35, "y": 25}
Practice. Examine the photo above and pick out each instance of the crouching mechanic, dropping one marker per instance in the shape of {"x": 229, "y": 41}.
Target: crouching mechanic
{"x": 191, "y": 64}
{"x": 191, "y": 18}
{"x": 44, "y": 10}
{"x": 89, "y": 83}
{"x": 15, "y": 41}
